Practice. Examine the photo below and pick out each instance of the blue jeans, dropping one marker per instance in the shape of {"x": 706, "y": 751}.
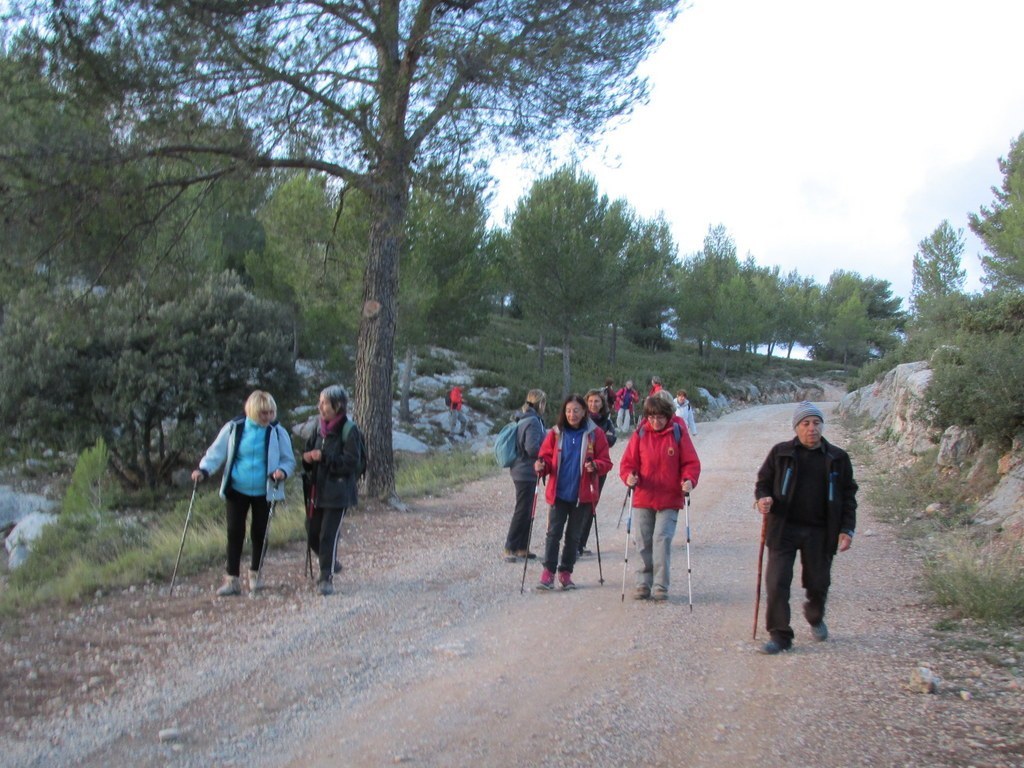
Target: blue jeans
{"x": 653, "y": 530}
{"x": 567, "y": 516}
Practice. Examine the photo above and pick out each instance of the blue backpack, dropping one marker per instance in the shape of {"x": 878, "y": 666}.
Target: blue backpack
{"x": 506, "y": 448}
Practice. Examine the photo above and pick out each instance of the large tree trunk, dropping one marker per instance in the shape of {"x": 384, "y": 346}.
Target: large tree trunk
{"x": 375, "y": 350}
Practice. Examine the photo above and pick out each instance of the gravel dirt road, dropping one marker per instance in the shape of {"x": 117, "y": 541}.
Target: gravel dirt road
{"x": 430, "y": 656}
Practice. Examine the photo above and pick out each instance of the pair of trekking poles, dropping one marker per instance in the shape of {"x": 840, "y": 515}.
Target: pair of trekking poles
{"x": 597, "y": 538}
{"x": 184, "y": 531}
{"x": 629, "y": 526}
{"x": 533, "y": 515}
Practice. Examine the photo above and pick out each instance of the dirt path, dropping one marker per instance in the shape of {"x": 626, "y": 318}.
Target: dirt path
{"x": 430, "y": 656}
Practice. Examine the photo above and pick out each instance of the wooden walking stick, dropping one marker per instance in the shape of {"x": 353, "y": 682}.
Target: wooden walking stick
{"x": 760, "y": 561}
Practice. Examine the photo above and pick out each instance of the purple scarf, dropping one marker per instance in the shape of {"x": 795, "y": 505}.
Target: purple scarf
{"x": 326, "y": 427}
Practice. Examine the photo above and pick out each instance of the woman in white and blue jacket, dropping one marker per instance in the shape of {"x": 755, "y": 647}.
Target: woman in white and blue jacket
{"x": 256, "y": 453}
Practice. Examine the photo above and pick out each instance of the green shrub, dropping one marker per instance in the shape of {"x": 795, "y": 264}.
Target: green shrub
{"x": 979, "y": 382}
{"x": 434, "y": 366}
{"x": 979, "y": 580}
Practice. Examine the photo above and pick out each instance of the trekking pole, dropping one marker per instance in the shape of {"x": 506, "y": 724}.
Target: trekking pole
{"x": 623, "y": 510}
{"x": 188, "y": 516}
{"x": 266, "y": 541}
{"x": 689, "y": 571}
{"x": 597, "y": 539}
{"x": 760, "y": 561}
{"x": 529, "y": 537}
{"x": 629, "y": 525}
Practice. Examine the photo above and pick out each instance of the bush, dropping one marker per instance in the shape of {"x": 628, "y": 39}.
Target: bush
{"x": 983, "y": 581}
{"x": 434, "y": 366}
{"x": 138, "y": 371}
{"x": 979, "y": 382}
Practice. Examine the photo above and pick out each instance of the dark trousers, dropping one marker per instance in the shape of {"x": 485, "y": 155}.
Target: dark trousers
{"x": 518, "y": 537}
{"x": 816, "y": 566}
{"x": 322, "y": 537}
{"x": 564, "y": 516}
{"x": 238, "y": 506}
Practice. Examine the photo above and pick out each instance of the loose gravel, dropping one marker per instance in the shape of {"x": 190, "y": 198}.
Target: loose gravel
{"x": 430, "y": 656}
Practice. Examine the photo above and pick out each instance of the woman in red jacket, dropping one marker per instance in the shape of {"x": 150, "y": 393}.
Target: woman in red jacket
{"x": 661, "y": 466}
{"x": 575, "y": 454}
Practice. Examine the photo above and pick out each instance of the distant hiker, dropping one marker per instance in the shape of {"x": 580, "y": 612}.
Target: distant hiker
{"x": 529, "y": 436}
{"x": 655, "y": 386}
{"x": 455, "y": 413}
{"x": 597, "y": 412}
{"x": 575, "y": 454}
{"x": 806, "y": 490}
{"x": 625, "y": 399}
{"x": 661, "y": 466}
{"x": 331, "y": 460}
{"x": 684, "y": 410}
{"x": 256, "y": 453}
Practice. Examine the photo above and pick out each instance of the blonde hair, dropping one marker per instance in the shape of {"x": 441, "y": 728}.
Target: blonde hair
{"x": 260, "y": 401}
{"x": 537, "y": 399}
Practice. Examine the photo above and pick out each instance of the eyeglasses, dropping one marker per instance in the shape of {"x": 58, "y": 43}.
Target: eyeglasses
{"x": 652, "y": 417}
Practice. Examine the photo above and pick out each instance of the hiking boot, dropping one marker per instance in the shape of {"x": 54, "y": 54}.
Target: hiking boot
{"x": 659, "y": 593}
{"x": 255, "y": 582}
{"x": 642, "y": 592}
{"x": 326, "y": 587}
{"x": 584, "y": 553}
{"x": 231, "y": 586}
{"x": 820, "y": 631}
{"x": 547, "y": 580}
{"x": 525, "y": 553}
{"x": 773, "y": 647}
{"x": 509, "y": 556}
{"x": 565, "y": 579}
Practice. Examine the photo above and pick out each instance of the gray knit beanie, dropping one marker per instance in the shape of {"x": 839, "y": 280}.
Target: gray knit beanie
{"x": 805, "y": 409}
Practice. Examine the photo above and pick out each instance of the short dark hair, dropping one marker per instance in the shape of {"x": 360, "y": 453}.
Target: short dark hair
{"x": 658, "y": 406}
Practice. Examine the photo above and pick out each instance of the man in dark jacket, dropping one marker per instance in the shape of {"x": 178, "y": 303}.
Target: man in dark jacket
{"x": 806, "y": 489}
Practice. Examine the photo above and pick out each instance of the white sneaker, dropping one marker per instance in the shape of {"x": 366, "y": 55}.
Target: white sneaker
{"x": 231, "y": 586}
{"x": 255, "y": 582}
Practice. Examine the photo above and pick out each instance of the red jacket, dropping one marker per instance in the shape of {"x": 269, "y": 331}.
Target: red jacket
{"x": 662, "y": 464}
{"x": 456, "y": 397}
{"x": 596, "y": 449}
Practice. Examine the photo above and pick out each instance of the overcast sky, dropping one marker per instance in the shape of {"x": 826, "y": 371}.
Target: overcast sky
{"x": 823, "y": 135}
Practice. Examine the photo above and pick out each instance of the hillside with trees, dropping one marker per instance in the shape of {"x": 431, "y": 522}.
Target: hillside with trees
{"x": 190, "y": 208}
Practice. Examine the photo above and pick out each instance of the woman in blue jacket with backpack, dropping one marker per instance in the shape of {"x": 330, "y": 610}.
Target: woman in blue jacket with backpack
{"x": 256, "y": 453}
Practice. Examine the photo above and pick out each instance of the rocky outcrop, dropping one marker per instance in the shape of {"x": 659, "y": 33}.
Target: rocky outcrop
{"x": 895, "y": 410}
{"x": 895, "y": 407}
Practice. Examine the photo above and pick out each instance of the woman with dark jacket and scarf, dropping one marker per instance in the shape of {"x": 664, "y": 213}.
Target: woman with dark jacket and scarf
{"x": 529, "y": 435}
{"x": 597, "y": 411}
{"x": 574, "y": 454}
{"x": 331, "y": 462}
{"x": 256, "y": 453}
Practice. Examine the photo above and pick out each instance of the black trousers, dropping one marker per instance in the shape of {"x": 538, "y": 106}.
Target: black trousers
{"x": 322, "y": 537}
{"x": 816, "y": 566}
{"x": 238, "y": 506}
{"x": 589, "y": 522}
{"x": 518, "y": 537}
{"x": 568, "y": 517}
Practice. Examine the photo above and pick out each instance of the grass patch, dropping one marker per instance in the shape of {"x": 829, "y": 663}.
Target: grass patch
{"x": 982, "y": 580}
{"x": 902, "y": 494}
{"x": 98, "y": 549}
{"x": 436, "y": 473}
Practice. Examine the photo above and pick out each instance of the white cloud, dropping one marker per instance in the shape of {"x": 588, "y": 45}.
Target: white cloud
{"x": 822, "y": 135}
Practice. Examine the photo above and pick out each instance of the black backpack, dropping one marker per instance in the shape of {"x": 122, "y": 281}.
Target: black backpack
{"x": 346, "y": 430}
